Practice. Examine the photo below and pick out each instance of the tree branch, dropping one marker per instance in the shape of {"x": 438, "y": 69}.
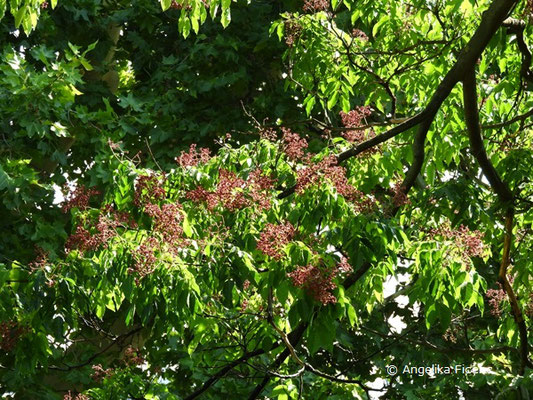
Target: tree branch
{"x": 505, "y": 196}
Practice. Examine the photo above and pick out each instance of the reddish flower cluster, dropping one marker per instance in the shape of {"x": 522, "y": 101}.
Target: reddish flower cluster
{"x": 336, "y": 174}
{"x": 354, "y": 119}
{"x": 449, "y": 335}
{"x": 145, "y": 259}
{"x": 166, "y": 221}
{"x": 317, "y": 282}
{"x": 274, "y": 238}
{"x": 470, "y": 242}
{"x": 40, "y": 261}
{"x": 193, "y": 157}
{"x": 400, "y": 197}
{"x": 100, "y": 373}
{"x": 10, "y": 333}
{"x": 132, "y": 356}
{"x": 244, "y": 305}
{"x": 105, "y": 229}
{"x": 245, "y": 285}
{"x": 79, "y": 198}
{"x": 315, "y": 5}
{"x": 344, "y": 265}
{"x": 294, "y": 144}
{"x": 235, "y": 193}
{"x": 44, "y": 5}
{"x": 149, "y": 189}
{"x": 359, "y": 34}
{"x": 496, "y": 296}
{"x": 79, "y": 396}
{"x": 293, "y": 31}
{"x": 268, "y": 134}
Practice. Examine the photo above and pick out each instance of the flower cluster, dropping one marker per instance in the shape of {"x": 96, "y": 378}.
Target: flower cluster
{"x": 132, "y": 356}
{"x": 315, "y": 5}
{"x": 104, "y": 230}
{"x": 145, "y": 259}
{"x": 293, "y": 30}
{"x": 166, "y": 221}
{"x": 336, "y": 174}
{"x": 294, "y": 144}
{"x": 149, "y": 189}
{"x": 469, "y": 242}
{"x": 274, "y": 238}
{"x": 359, "y": 34}
{"x": 354, "y": 119}
{"x": 79, "y": 198}
{"x": 316, "y": 281}
{"x": 400, "y": 197}
{"x": 235, "y": 193}
{"x": 193, "y": 157}
{"x": 268, "y": 134}
{"x": 40, "y": 260}
{"x": 450, "y": 335}
{"x": 496, "y": 296}
{"x": 79, "y": 396}
{"x": 10, "y": 333}
{"x": 100, "y": 373}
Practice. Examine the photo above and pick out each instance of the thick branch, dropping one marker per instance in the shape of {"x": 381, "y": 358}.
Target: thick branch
{"x": 506, "y": 197}
{"x": 492, "y": 19}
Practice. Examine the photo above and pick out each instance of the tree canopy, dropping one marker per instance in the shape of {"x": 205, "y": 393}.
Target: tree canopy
{"x": 203, "y": 199}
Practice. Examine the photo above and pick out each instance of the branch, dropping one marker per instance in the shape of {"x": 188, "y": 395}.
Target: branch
{"x": 492, "y": 19}
{"x": 505, "y": 196}
{"x": 517, "y": 27}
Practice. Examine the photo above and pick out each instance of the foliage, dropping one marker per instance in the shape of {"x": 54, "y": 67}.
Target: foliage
{"x": 192, "y": 207}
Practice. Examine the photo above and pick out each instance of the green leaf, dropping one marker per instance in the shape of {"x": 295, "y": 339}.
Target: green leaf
{"x": 165, "y": 4}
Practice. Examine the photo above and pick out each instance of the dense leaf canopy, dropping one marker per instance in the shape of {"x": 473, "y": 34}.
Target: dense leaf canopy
{"x": 215, "y": 199}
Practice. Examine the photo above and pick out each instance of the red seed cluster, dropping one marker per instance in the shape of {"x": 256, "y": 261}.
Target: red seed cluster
{"x": 79, "y": 396}
{"x": 100, "y": 373}
{"x": 40, "y": 260}
{"x": 268, "y": 134}
{"x": 344, "y": 265}
{"x": 354, "y": 119}
{"x": 359, "y": 34}
{"x": 336, "y": 174}
{"x": 316, "y": 281}
{"x": 133, "y": 357}
{"x": 167, "y": 221}
{"x": 294, "y": 144}
{"x": 293, "y": 31}
{"x": 193, "y": 157}
{"x": 314, "y": 6}
{"x": 104, "y": 230}
{"x": 400, "y": 197}
{"x": 496, "y": 297}
{"x": 149, "y": 189}
{"x": 145, "y": 259}
{"x": 10, "y": 333}
{"x": 470, "y": 242}
{"x": 235, "y": 193}
{"x": 79, "y": 198}
{"x": 274, "y": 238}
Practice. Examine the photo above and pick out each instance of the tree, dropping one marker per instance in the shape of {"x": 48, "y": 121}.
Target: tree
{"x": 249, "y": 205}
